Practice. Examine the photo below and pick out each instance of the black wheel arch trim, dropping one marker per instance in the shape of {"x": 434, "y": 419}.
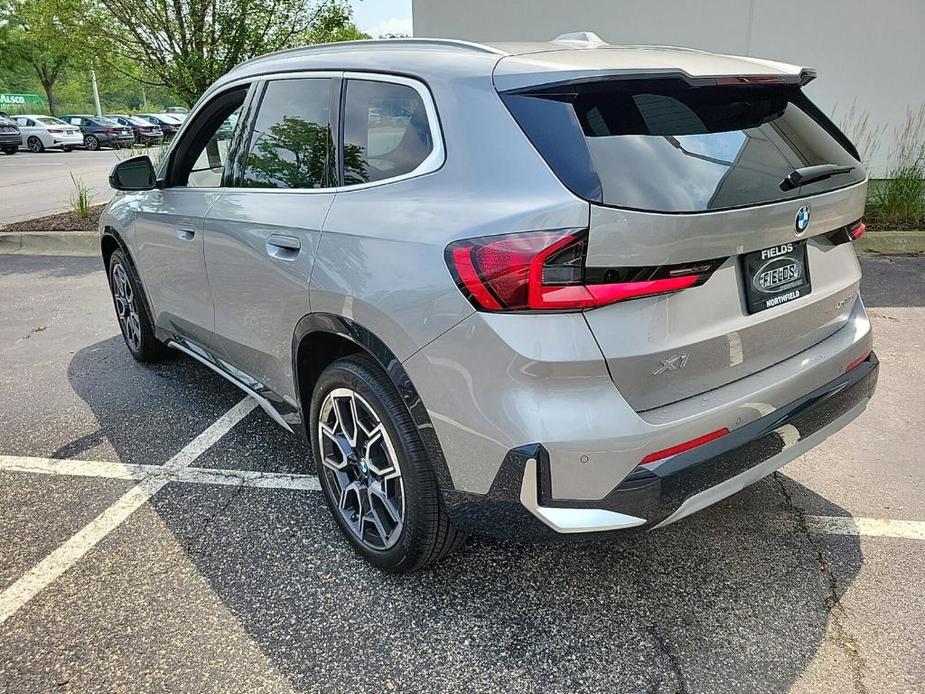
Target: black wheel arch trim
{"x": 368, "y": 342}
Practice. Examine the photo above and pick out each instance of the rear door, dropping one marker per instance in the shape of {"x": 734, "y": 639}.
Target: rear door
{"x": 686, "y": 184}
{"x": 261, "y": 236}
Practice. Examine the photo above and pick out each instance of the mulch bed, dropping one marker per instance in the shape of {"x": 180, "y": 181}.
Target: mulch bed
{"x": 63, "y": 221}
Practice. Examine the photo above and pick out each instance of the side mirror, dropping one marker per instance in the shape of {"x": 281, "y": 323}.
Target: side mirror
{"x": 136, "y": 173}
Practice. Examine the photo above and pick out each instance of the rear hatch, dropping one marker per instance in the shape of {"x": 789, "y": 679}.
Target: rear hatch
{"x": 729, "y": 186}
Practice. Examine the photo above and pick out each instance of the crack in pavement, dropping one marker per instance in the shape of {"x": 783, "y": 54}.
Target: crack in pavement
{"x": 673, "y": 663}
{"x": 834, "y": 607}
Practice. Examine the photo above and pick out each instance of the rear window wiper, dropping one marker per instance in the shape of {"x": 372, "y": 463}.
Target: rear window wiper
{"x": 810, "y": 174}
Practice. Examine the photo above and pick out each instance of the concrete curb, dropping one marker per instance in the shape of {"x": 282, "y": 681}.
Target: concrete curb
{"x": 76, "y": 243}
{"x": 892, "y": 242}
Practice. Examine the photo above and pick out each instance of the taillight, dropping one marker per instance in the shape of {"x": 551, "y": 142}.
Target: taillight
{"x": 682, "y": 447}
{"x": 546, "y": 271}
{"x": 55, "y": 132}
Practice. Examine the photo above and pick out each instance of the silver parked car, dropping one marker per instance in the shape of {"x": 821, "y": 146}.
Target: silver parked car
{"x": 538, "y": 290}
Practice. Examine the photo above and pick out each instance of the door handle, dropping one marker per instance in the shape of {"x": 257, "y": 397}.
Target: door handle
{"x": 283, "y": 247}
{"x": 186, "y": 234}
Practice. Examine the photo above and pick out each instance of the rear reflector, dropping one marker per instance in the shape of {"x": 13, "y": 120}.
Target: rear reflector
{"x": 857, "y": 230}
{"x": 857, "y": 362}
{"x": 545, "y": 271}
{"x": 682, "y": 447}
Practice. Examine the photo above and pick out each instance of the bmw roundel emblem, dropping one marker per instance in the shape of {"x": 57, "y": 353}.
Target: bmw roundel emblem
{"x": 801, "y": 223}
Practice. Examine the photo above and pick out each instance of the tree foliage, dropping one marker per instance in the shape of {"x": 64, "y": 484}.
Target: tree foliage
{"x": 186, "y": 45}
{"x": 29, "y": 37}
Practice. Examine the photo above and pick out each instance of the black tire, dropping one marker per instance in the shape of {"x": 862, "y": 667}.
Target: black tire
{"x": 139, "y": 339}
{"x": 91, "y": 143}
{"x": 10, "y": 150}
{"x": 426, "y": 535}
{"x": 35, "y": 145}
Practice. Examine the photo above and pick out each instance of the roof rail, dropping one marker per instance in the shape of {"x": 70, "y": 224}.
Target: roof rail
{"x": 580, "y": 39}
{"x": 365, "y": 44}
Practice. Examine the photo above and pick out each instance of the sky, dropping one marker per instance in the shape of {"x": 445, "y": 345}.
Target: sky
{"x": 377, "y": 17}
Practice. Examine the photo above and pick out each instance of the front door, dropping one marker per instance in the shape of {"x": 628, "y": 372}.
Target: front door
{"x": 168, "y": 234}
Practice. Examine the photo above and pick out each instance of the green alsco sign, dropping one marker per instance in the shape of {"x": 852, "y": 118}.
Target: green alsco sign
{"x": 20, "y": 99}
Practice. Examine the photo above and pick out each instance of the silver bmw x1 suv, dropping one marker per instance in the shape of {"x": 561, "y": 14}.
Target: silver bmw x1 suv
{"x": 535, "y": 290}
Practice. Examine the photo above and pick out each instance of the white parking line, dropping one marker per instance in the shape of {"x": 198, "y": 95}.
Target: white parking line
{"x": 64, "y": 557}
{"x": 823, "y": 525}
{"x": 866, "y": 527}
{"x": 123, "y": 471}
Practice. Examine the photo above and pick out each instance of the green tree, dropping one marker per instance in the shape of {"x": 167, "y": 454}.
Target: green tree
{"x": 185, "y": 45}
{"x": 30, "y": 37}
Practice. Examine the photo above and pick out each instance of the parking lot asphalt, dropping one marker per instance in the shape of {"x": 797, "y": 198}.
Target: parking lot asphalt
{"x": 34, "y": 185}
{"x": 230, "y": 576}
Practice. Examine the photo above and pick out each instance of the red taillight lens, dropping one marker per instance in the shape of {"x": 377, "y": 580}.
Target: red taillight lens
{"x": 55, "y": 132}
{"x": 856, "y": 230}
{"x": 682, "y": 447}
{"x": 545, "y": 271}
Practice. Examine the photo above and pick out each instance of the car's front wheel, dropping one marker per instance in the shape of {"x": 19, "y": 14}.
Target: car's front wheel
{"x": 131, "y": 311}
{"x": 35, "y": 145}
{"x": 91, "y": 143}
{"x": 376, "y": 476}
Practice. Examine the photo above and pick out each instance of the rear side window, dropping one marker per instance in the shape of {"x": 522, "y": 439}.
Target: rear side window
{"x": 386, "y": 131}
{"x": 291, "y": 145}
{"x": 666, "y": 146}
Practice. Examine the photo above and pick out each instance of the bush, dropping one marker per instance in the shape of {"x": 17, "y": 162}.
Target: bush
{"x": 898, "y": 202}
{"x": 80, "y": 198}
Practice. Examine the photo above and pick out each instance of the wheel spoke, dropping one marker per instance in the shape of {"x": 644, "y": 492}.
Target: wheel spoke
{"x": 376, "y": 490}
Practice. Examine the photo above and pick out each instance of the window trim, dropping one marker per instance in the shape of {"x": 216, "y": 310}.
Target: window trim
{"x": 433, "y": 162}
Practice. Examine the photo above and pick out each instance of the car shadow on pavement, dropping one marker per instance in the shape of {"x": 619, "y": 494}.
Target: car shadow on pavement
{"x": 740, "y": 595}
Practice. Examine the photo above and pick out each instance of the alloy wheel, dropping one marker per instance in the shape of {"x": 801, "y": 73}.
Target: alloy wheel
{"x": 361, "y": 468}
{"x": 35, "y": 145}
{"x": 126, "y": 310}
{"x": 91, "y": 143}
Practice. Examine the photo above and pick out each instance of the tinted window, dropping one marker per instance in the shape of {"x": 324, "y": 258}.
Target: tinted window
{"x": 669, "y": 147}
{"x": 291, "y": 145}
{"x": 386, "y": 132}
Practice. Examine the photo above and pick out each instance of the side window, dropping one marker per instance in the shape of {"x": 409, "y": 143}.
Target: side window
{"x": 210, "y": 164}
{"x": 291, "y": 145}
{"x": 386, "y": 132}
{"x": 204, "y": 150}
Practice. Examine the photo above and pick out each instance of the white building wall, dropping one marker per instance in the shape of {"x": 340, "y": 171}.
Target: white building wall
{"x": 870, "y": 55}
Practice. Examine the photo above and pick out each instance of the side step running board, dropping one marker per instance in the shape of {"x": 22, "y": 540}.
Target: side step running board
{"x": 262, "y": 401}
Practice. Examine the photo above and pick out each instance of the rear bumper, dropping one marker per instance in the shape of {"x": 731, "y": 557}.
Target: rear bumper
{"x": 520, "y": 504}
{"x": 10, "y": 139}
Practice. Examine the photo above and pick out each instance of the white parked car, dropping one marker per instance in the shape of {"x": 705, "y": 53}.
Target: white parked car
{"x": 41, "y": 132}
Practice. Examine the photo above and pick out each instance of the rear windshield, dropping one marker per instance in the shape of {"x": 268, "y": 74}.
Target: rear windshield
{"x": 664, "y": 145}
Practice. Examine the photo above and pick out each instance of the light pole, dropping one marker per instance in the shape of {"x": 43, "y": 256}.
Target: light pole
{"x": 96, "y": 92}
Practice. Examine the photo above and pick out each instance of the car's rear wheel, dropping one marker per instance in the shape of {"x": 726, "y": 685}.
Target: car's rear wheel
{"x": 35, "y": 145}
{"x": 375, "y": 474}
{"x": 131, "y": 311}
{"x": 91, "y": 143}
{"x": 10, "y": 150}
